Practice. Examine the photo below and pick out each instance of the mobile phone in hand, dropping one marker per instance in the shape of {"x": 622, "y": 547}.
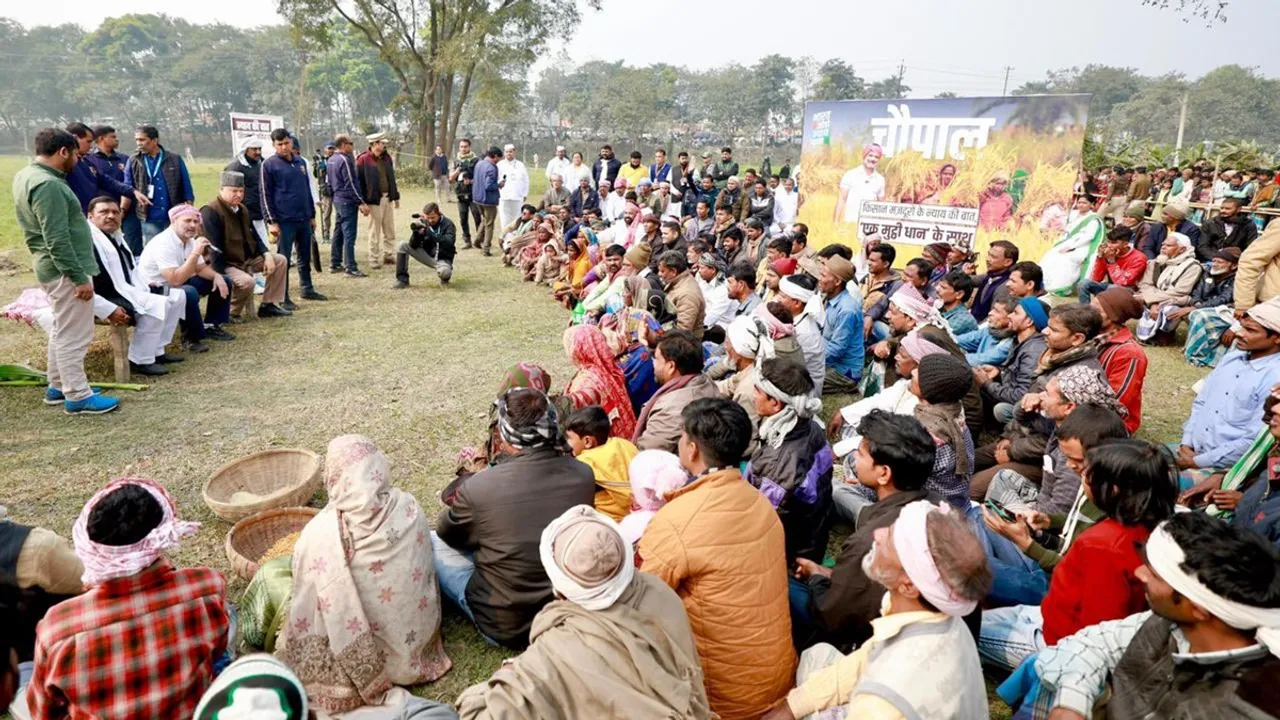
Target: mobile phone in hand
{"x": 1001, "y": 511}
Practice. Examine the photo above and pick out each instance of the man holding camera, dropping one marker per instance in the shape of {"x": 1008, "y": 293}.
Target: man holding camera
{"x": 432, "y": 243}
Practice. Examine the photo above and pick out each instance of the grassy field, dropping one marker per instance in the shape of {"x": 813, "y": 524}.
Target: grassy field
{"x": 414, "y": 370}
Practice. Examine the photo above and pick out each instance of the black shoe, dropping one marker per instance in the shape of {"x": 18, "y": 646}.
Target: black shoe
{"x": 400, "y": 285}
{"x": 267, "y": 310}
{"x": 466, "y": 244}
{"x": 152, "y": 369}
{"x": 217, "y": 333}
{"x": 488, "y": 254}
{"x": 335, "y": 270}
{"x": 235, "y": 320}
{"x": 196, "y": 347}
{"x": 289, "y": 305}
{"x": 313, "y": 295}
{"x": 167, "y": 359}
{"x": 355, "y": 274}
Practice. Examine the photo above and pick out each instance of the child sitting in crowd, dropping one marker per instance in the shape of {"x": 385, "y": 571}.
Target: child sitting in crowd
{"x": 587, "y": 432}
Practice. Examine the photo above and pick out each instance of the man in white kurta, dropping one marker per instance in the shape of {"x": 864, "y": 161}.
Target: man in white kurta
{"x": 859, "y": 184}
{"x": 513, "y": 181}
{"x": 559, "y": 165}
{"x": 155, "y": 316}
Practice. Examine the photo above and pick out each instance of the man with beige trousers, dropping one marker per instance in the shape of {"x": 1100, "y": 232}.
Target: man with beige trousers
{"x": 376, "y": 175}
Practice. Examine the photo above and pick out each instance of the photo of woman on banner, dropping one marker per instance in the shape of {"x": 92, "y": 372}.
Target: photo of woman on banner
{"x": 1070, "y": 258}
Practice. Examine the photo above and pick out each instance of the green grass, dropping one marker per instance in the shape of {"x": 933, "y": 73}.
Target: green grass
{"x": 414, "y": 370}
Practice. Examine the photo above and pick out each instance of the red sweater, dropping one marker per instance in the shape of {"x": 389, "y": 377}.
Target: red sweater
{"x": 1127, "y": 270}
{"x": 1095, "y": 581}
{"x": 1126, "y": 366}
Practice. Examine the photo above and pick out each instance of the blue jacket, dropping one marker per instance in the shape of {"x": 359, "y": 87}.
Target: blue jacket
{"x": 484, "y": 183}
{"x": 1155, "y": 238}
{"x": 843, "y": 333}
{"x": 286, "y": 191}
{"x": 982, "y": 349}
{"x": 88, "y": 180}
{"x": 1259, "y": 509}
{"x": 342, "y": 179}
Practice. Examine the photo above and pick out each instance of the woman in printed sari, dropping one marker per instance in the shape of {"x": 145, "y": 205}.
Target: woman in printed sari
{"x": 629, "y": 330}
{"x": 569, "y": 286}
{"x": 599, "y": 380}
{"x": 527, "y": 257}
{"x": 365, "y": 613}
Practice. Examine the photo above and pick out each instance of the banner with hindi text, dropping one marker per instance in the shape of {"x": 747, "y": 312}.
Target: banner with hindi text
{"x": 244, "y": 125}
{"x": 1008, "y": 162}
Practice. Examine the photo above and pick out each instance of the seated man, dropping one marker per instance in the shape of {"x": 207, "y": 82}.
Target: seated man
{"x": 799, "y": 294}
{"x": 143, "y": 641}
{"x": 953, "y": 291}
{"x": 1170, "y": 278}
{"x": 677, "y": 364}
{"x": 843, "y": 330}
{"x": 1206, "y": 645}
{"x": 1117, "y": 264}
{"x": 176, "y": 258}
{"x": 792, "y": 464}
{"x": 433, "y": 243}
{"x": 715, "y": 294}
{"x": 1006, "y": 384}
{"x": 880, "y": 284}
{"x": 38, "y": 570}
{"x": 1225, "y": 412}
{"x": 736, "y": 601}
{"x": 683, "y": 292}
{"x": 935, "y": 573}
{"x": 613, "y": 638}
{"x": 240, "y": 252}
{"x": 1026, "y": 279}
{"x": 486, "y": 543}
{"x": 118, "y": 300}
{"x": 837, "y": 605}
{"x": 1122, "y": 358}
{"x": 1210, "y": 315}
{"x": 992, "y": 342}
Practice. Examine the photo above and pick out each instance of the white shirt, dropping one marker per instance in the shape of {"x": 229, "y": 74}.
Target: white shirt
{"x": 861, "y": 186}
{"x": 165, "y": 252}
{"x": 809, "y": 338}
{"x": 612, "y": 206}
{"x": 785, "y": 206}
{"x": 720, "y": 307}
{"x": 573, "y": 175}
{"x": 559, "y": 166}
{"x": 517, "y": 185}
{"x": 133, "y": 289}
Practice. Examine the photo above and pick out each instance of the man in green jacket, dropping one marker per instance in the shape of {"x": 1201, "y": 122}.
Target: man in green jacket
{"x": 61, "y": 246}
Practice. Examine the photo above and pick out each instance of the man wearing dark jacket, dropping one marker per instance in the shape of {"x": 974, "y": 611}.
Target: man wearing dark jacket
{"x": 86, "y": 179}
{"x": 582, "y": 200}
{"x": 289, "y": 209}
{"x": 241, "y": 253}
{"x": 249, "y": 164}
{"x": 433, "y": 243}
{"x": 606, "y": 168}
{"x": 485, "y": 195}
{"x": 348, "y": 204}
{"x": 159, "y": 175}
{"x": 1007, "y": 384}
{"x": 108, "y": 161}
{"x": 1230, "y": 228}
{"x": 837, "y": 605}
{"x": 1001, "y": 257}
{"x": 486, "y": 544}
{"x": 376, "y": 175}
{"x": 1173, "y": 219}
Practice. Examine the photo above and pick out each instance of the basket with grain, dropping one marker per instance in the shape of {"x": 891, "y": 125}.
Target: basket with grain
{"x": 262, "y": 481}
{"x": 267, "y": 533}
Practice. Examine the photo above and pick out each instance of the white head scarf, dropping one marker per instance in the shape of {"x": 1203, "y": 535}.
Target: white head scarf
{"x": 911, "y": 540}
{"x": 586, "y": 557}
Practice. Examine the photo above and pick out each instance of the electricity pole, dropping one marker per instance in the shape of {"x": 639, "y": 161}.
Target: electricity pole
{"x": 1182, "y": 125}
{"x": 1004, "y": 92}
{"x": 902, "y": 72}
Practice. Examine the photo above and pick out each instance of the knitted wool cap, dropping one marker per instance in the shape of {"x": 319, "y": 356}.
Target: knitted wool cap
{"x": 944, "y": 378}
{"x": 639, "y": 255}
{"x": 1119, "y": 304}
{"x": 1137, "y": 210}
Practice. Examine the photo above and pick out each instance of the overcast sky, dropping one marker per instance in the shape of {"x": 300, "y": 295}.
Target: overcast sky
{"x": 957, "y": 45}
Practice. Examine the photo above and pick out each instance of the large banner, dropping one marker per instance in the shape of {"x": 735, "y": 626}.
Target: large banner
{"x": 244, "y": 125}
{"x": 994, "y": 168}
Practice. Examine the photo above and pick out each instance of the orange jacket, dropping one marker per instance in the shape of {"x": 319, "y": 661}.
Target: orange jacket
{"x": 737, "y": 601}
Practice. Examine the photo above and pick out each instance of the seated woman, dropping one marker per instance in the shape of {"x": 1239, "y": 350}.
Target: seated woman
{"x": 630, "y": 330}
{"x": 568, "y": 286}
{"x": 365, "y": 613}
{"x": 531, "y": 253}
{"x": 599, "y": 380}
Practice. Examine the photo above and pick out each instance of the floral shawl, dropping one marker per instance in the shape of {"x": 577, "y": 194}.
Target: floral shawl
{"x": 599, "y": 380}
{"x": 365, "y": 612}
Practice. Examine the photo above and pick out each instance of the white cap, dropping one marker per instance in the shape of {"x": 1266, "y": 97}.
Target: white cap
{"x": 508, "y": 146}
{"x": 559, "y": 148}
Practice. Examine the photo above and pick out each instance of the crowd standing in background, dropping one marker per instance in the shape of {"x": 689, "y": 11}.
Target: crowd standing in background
{"x": 669, "y": 554}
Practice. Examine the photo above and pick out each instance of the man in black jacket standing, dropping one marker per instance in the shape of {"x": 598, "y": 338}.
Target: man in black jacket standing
{"x": 606, "y": 168}
{"x": 433, "y": 243}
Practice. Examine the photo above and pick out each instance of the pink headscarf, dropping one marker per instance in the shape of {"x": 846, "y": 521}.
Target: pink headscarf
{"x": 911, "y": 540}
{"x": 919, "y": 348}
{"x": 107, "y": 562}
{"x": 777, "y": 328}
{"x": 181, "y": 210}
{"x": 654, "y": 475}
{"x": 870, "y": 148}
{"x": 914, "y": 305}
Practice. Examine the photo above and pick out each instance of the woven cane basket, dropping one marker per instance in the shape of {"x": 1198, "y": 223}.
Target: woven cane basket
{"x": 253, "y": 536}
{"x": 265, "y": 480}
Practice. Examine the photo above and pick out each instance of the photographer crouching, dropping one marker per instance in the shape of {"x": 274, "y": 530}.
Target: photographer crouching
{"x": 431, "y": 242}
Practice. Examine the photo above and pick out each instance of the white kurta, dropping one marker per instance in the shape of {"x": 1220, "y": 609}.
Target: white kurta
{"x": 514, "y": 190}
{"x": 559, "y": 166}
{"x": 861, "y": 186}
{"x": 156, "y": 316}
{"x": 573, "y": 175}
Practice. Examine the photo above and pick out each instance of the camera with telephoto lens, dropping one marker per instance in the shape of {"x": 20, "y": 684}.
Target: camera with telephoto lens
{"x": 418, "y": 233}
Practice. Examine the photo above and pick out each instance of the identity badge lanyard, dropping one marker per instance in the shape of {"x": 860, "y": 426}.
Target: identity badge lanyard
{"x": 152, "y": 171}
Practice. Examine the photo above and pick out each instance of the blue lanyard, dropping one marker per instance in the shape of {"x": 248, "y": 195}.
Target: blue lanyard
{"x": 152, "y": 171}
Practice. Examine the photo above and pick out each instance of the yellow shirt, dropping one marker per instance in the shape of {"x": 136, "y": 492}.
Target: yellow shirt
{"x": 833, "y": 685}
{"x": 609, "y": 462}
{"x": 633, "y": 175}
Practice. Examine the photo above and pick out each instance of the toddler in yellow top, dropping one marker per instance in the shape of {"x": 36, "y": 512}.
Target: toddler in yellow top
{"x": 588, "y": 433}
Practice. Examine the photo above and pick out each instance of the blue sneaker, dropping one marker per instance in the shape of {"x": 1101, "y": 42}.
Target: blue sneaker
{"x": 53, "y": 396}
{"x": 92, "y": 405}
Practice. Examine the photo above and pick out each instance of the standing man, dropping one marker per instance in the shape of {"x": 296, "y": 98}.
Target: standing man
{"x": 290, "y": 212}
{"x": 660, "y": 170}
{"x": 61, "y": 246}
{"x": 241, "y": 253}
{"x": 463, "y": 169}
{"x": 320, "y": 169}
{"x": 109, "y": 161}
{"x": 377, "y": 179}
{"x": 724, "y": 168}
{"x": 558, "y": 164}
{"x": 513, "y": 179}
{"x": 485, "y": 194}
{"x": 85, "y": 179}
{"x": 605, "y": 170}
{"x": 439, "y": 167}
{"x": 159, "y": 175}
{"x": 341, "y": 178}
{"x": 249, "y": 164}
